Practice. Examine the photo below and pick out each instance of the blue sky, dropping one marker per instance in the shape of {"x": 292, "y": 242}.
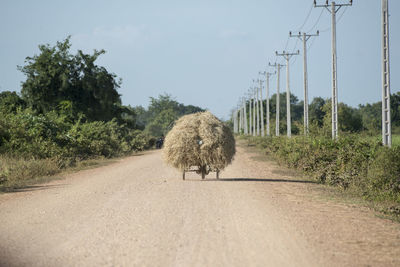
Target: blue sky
{"x": 205, "y": 53}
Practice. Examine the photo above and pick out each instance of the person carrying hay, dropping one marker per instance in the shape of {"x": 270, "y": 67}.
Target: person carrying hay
{"x": 199, "y": 140}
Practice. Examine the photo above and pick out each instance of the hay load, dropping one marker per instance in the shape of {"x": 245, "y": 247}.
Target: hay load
{"x": 199, "y": 140}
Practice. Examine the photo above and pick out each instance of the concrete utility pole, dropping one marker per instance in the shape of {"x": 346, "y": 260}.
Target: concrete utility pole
{"x": 267, "y": 76}
{"x": 278, "y": 71}
{"x": 246, "y": 130}
{"x": 240, "y": 119}
{"x": 254, "y": 113}
{"x": 241, "y": 124}
{"x": 287, "y": 56}
{"x": 257, "y": 111}
{"x": 250, "y": 118}
{"x": 261, "y": 109}
{"x": 386, "y": 119}
{"x": 235, "y": 124}
{"x": 334, "y": 9}
{"x": 304, "y": 37}
{"x": 257, "y": 108}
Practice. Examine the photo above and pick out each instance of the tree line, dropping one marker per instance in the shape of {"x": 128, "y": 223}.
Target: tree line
{"x": 364, "y": 118}
{"x": 69, "y": 106}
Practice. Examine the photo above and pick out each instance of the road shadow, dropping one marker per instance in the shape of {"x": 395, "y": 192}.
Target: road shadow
{"x": 30, "y": 188}
{"x": 266, "y": 180}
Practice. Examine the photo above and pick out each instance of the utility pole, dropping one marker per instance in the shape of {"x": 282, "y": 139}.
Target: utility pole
{"x": 267, "y": 76}
{"x": 304, "y": 38}
{"x": 334, "y": 9}
{"x": 254, "y": 113}
{"x": 257, "y": 107}
{"x": 241, "y": 124}
{"x": 278, "y": 71}
{"x": 386, "y": 119}
{"x": 240, "y": 119}
{"x": 261, "y": 107}
{"x": 234, "y": 118}
{"x": 250, "y": 118}
{"x": 258, "y": 111}
{"x": 287, "y": 56}
{"x": 246, "y": 132}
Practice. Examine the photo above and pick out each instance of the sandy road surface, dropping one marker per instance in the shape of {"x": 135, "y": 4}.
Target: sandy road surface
{"x": 138, "y": 212}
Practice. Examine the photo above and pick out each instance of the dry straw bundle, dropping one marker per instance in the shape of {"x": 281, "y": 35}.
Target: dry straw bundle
{"x": 201, "y": 140}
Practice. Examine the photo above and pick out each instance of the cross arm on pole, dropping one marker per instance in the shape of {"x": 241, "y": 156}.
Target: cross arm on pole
{"x": 303, "y": 35}
{"x": 276, "y": 65}
{"x": 286, "y": 54}
{"x": 327, "y": 5}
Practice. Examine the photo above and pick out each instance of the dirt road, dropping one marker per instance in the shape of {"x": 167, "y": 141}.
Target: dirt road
{"x": 139, "y": 212}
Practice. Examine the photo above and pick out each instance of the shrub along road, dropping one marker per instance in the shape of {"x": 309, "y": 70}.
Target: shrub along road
{"x": 138, "y": 211}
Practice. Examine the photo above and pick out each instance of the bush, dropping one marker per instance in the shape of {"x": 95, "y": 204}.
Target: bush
{"x": 384, "y": 174}
{"x": 39, "y": 136}
{"x": 28, "y": 135}
{"x": 96, "y": 138}
{"x": 352, "y": 161}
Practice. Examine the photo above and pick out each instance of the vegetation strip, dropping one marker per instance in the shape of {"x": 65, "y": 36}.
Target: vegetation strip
{"x": 356, "y": 164}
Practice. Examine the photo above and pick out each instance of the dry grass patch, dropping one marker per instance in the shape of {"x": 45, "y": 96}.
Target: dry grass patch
{"x": 19, "y": 172}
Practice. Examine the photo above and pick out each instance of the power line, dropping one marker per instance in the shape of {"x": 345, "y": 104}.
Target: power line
{"x": 307, "y": 17}
{"x": 295, "y": 45}
{"x": 315, "y": 24}
{"x": 287, "y": 42}
{"x": 311, "y": 44}
{"x": 301, "y": 27}
{"x": 340, "y": 17}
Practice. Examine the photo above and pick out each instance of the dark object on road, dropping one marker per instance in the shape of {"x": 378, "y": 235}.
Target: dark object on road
{"x": 160, "y": 142}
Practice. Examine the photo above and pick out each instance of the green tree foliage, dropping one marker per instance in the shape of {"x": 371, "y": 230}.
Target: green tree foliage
{"x": 364, "y": 118}
{"x": 10, "y": 102}
{"x": 349, "y": 119}
{"x": 395, "y": 108}
{"x": 50, "y": 135}
{"x": 55, "y": 76}
{"x": 162, "y": 112}
{"x": 315, "y": 112}
{"x": 372, "y": 114}
{"x": 162, "y": 123}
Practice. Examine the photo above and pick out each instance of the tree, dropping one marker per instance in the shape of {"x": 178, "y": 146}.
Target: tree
{"x": 349, "y": 119}
{"x": 55, "y": 76}
{"x": 315, "y": 112}
{"x": 161, "y": 114}
{"x": 10, "y": 102}
{"x": 371, "y": 115}
{"x": 162, "y": 123}
{"x": 395, "y": 109}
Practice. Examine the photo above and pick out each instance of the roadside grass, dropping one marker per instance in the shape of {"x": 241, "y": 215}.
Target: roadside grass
{"x": 396, "y": 140}
{"x": 351, "y": 175}
{"x": 19, "y": 173}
